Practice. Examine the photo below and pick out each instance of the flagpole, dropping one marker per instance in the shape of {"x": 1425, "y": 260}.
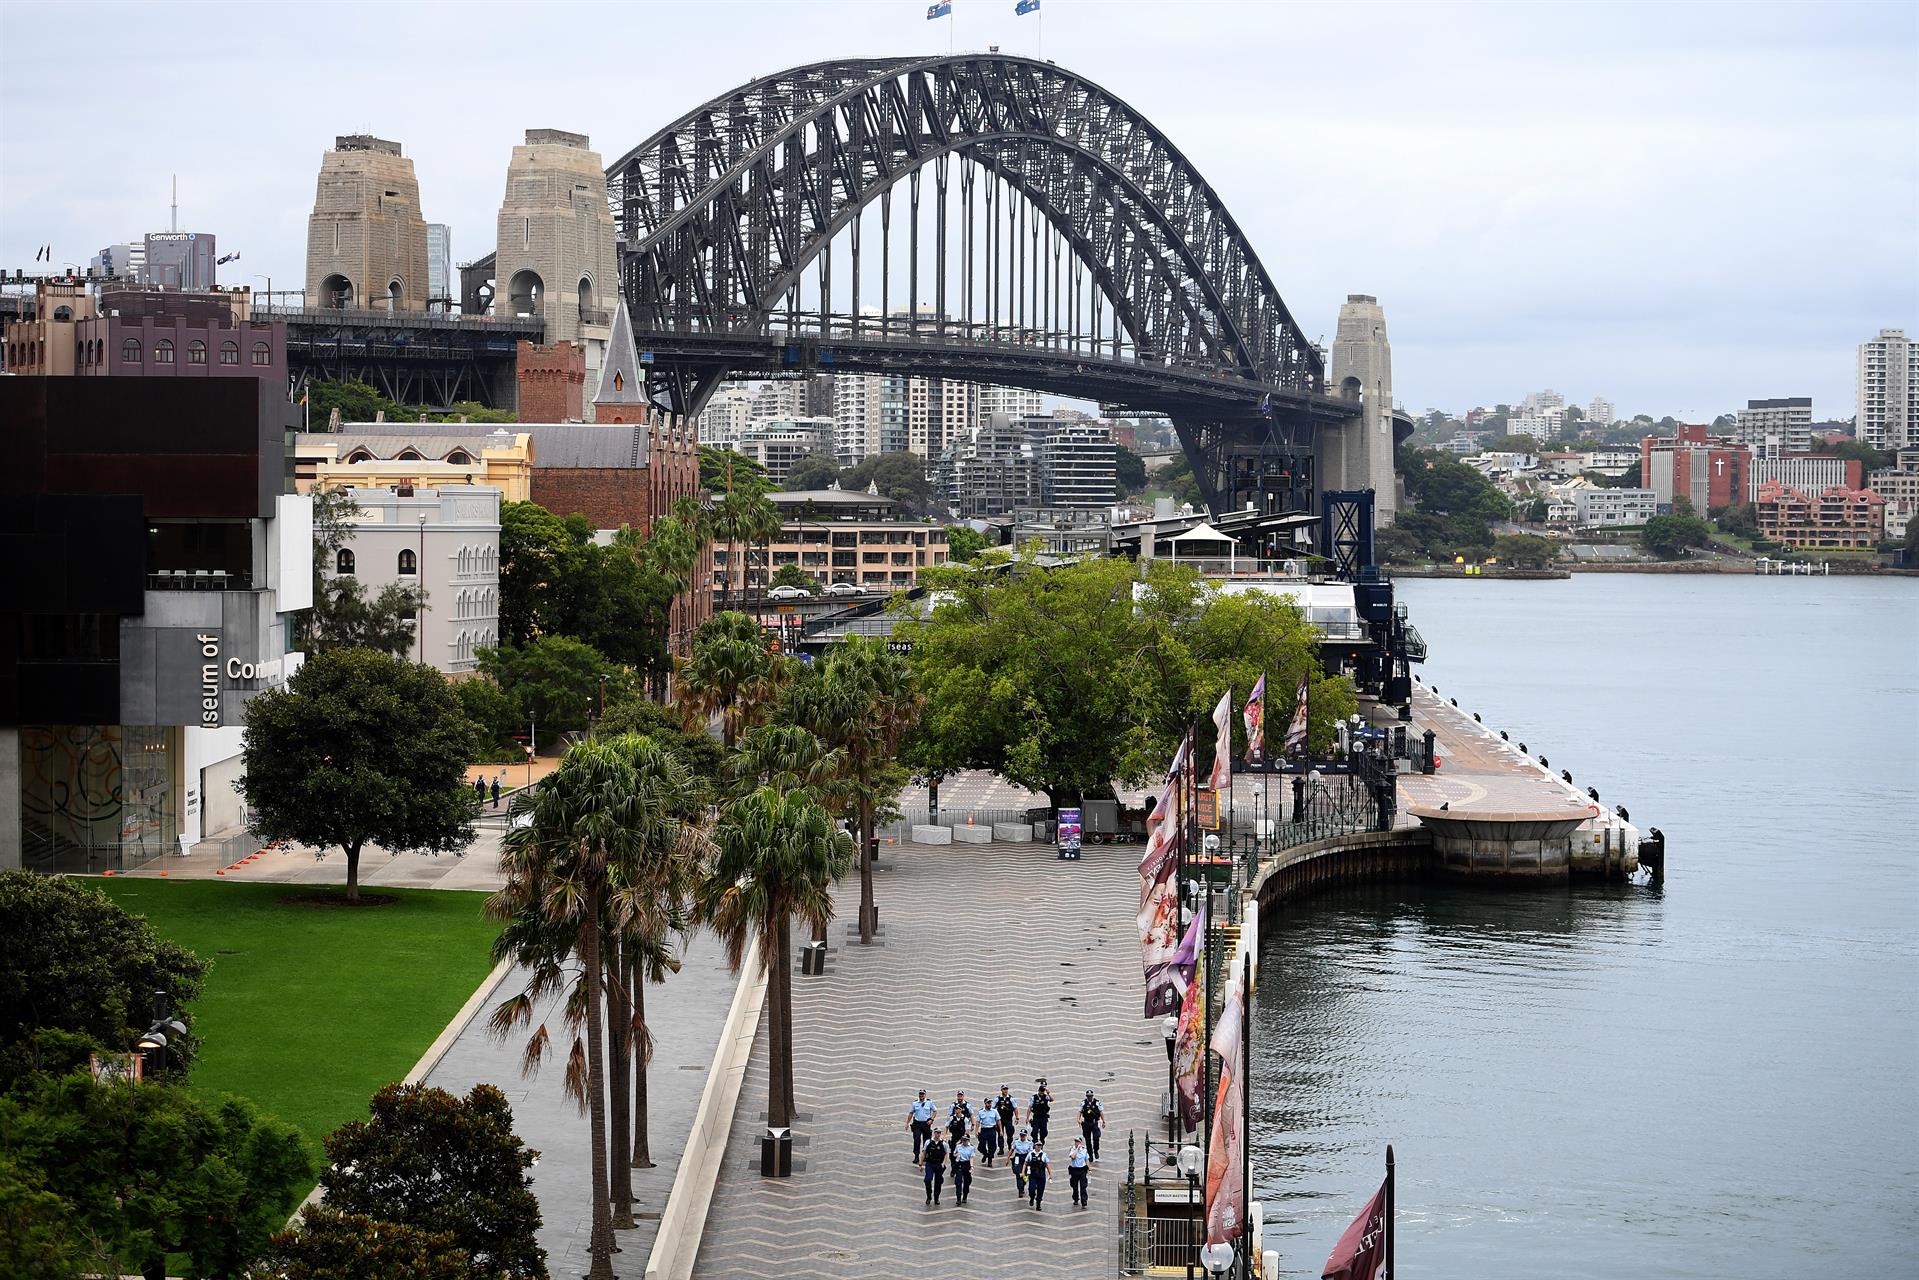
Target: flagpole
{"x": 1392, "y": 1272}
{"x": 1246, "y": 1115}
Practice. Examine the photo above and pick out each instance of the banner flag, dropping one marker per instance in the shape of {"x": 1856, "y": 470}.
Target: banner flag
{"x": 941, "y": 10}
{"x": 1255, "y": 717}
{"x": 1025, "y": 6}
{"x": 1188, "y": 1054}
{"x": 1296, "y": 731}
{"x": 1222, "y": 779}
{"x": 1226, "y": 1161}
{"x": 1162, "y": 990}
{"x": 1361, "y": 1252}
{"x": 1159, "y": 925}
{"x": 1179, "y": 756}
{"x": 1161, "y": 843}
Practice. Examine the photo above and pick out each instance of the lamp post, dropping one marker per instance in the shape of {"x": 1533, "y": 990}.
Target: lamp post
{"x": 1190, "y": 1162}
{"x": 1169, "y": 1028}
{"x": 419, "y": 587}
{"x": 269, "y": 280}
{"x": 152, "y": 1045}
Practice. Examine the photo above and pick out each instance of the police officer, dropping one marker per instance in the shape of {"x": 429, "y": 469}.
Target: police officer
{"x": 933, "y": 1166}
{"x": 479, "y": 791}
{"x": 1022, "y": 1151}
{"x": 1008, "y": 1113}
{"x": 961, "y": 1117}
{"x": 963, "y": 1153}
{"x": 1036, "y": 1166}
{"x": 1076, "y": 1170}
{"x": 1092, "y": 1118}
{"x": 987, "y": 1118}
{"x": 920, "y": 1120}
{"x": 1039, "y": 1109}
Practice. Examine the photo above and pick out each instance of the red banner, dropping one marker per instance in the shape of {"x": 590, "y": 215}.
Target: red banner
{"x": 1361, "y": 1252}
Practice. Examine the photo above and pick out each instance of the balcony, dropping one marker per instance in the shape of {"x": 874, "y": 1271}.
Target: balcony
{"x": 199, "y": 580}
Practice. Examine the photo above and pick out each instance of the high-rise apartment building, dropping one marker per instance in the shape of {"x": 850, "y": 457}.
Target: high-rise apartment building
{"x": 726, "y": 415}
{"x": 1775, "y": 427}
{"x": 128, "y": 261}
{"x": 1888, "y": 391}
{"x": 1600, "y": 413}
{"x": 778, "y": 443}
{"x": 1014, "y": 402}
{"x": 439, "y": 267}
{"x": 870, "y": 413}
{"x": 992, "y": 470}
{"x": 1074, "y": 460}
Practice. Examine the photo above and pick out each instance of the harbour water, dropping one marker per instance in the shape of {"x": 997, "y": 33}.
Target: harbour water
{"x": 1716, "y": 1078}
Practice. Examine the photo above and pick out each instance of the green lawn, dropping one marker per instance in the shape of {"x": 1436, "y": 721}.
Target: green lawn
{"x": 308, "y": 1010}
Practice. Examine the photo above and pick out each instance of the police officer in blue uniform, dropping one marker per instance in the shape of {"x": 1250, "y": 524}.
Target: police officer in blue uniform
{"x": 960, "y": 1119}
{"x": 1092, "y": 1118}
{"x": 1008, "y": 1114}
{"x": 1039, "y": 1110}
{"x": 987, "y": 1118}
{"x": 963, "y": 1153}
{"x": 1022, "y": 1151}
{"x": 1076, "y": 1161}
{"x": 919, "y": 1118}
{"x": 1036, "y": 1167}
{"x": 933, "y": 1166}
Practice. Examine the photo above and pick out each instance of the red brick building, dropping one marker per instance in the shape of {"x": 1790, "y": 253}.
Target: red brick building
{"x": 552, "y": 380}
{"x": 1837, "y": 519}
{"x": 1709, "y": 470}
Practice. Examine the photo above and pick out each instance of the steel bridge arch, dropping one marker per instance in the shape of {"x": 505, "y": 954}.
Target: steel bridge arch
{"x": 723, "y": 210}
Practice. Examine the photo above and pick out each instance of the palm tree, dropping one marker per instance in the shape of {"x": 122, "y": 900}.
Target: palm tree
{"x": 777, "y": 854}
{"x": 862, "y": 702}
{"x": 743, "y": 516}
{"x": 730, "y": 673}
{"x": 565, "y": 836}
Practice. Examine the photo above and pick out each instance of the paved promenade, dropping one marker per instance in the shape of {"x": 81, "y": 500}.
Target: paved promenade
{"x": 684, "y": 1013}
{"x": 998, "y": 964}
{"x": 1480, "y": 772}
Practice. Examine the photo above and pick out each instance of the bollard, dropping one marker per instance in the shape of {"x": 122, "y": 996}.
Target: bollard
{"x": 776, "y": 1153}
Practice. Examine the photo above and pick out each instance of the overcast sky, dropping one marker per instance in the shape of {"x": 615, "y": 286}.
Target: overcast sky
{"x": 1675, "y": 206}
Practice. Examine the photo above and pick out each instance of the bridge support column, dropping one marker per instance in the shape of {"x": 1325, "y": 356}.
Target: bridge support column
{"x": 1361, "y": 453}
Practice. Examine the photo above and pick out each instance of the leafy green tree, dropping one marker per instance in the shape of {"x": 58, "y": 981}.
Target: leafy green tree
{"x": 702, "y": 755}
{"x": 1871, "y": 459}
{"x": 1524, "y": 550}
{"x": 1063, "y": 682}
{"x": 791, "y": 575}
{"x": 964, "y": 542}
{"x": 861, "y": 700}
{"x": 1536, "y": 511}
{"x": 1129, "y": 470}
{"x": 901, "y": 477}
{"x": 1736, "y": 518}
{"x": 542, "y": 561}
{"x": 722, "y": 470}
{"x": 77, "y": 975}
{"x": 330, "y": 1245}
{"x": 1670, "y": 536}
{"x": 814, "y": 471}
{"x": 343, "y": 616}
{"x": 556, "y": 680}
{"x": 442, "y": 1164}
{"x": 1682, "y": 506}
{"x": 777, "y": 855}
{"x": 152, "y": 1169}
{"x": 360, "y": 748}
{"x": 1177, "y": 478}
{"x": 729, "y": 672}
{"x": 494, "y": 712}
{"x": 356, "y": 401}
{"x": 36, "y": 1238}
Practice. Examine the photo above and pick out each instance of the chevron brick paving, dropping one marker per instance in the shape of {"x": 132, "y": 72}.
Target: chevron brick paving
{"x": 1001, "y": 964}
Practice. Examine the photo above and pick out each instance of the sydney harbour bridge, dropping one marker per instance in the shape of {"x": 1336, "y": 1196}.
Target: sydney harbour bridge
{"x": 980, "y": 217}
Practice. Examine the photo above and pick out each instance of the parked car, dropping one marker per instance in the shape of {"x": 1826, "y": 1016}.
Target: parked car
{"x": 845, "y": 589}
{"x": 789, "y": 593}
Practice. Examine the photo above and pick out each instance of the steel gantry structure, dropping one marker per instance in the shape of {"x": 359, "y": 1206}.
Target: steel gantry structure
{"x": 1072, "y": 248}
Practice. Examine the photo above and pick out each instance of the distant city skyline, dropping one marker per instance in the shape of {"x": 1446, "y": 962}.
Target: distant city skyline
{"x": 1688, "y": 207}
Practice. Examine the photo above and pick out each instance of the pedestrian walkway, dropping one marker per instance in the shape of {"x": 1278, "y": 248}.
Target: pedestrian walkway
{"x": 996, "y": 964}
{"x": 684, "y": 1014}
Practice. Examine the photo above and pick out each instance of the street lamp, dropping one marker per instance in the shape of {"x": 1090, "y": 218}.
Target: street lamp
{"x": 269, "y": 280}
{"x": 419, "y": 587}
{"x": 1190, "y": 1162}
{"x": 1217, "y": 1258}
{"x": 152, "y": 1045}
{"x": 1169, "y": 1028}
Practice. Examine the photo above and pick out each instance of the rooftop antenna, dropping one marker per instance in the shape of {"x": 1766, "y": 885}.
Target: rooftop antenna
{"x": 176, "y": 203}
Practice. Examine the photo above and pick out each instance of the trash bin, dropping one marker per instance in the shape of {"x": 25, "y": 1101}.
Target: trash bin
{"x": 813, "y": 959}
{"x": 776, "y": 1153}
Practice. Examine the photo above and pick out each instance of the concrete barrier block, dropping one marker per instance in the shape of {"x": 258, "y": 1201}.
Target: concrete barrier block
{"x": 1020, "y": 831}
{"x": 974, "y": 834}
{"x": 932, "y": 835}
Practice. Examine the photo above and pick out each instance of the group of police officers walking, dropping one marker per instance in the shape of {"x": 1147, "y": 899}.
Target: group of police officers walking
{"x": 983, "y": 1133}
